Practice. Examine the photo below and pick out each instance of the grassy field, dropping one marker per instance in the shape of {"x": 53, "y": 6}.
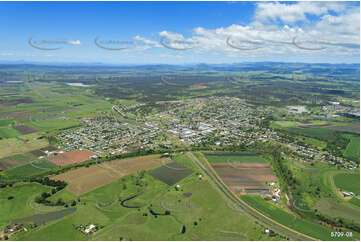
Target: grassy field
{"x": 6, "y": 122}
{"x": 288, "y": 124}
{"x": 306, "y": 227}
{"x": 355, "y": 201}
{"x": 348, "y": 182}
{"x": 200, "y": 216}
{"x": 233, "y": 157}
{"x": 323, "y": 133}
{"x": 26, "y": 143}
{"x": 8, "y": 132}
{"x": 28, "y": 170}
{"x": 18, "y": 207}
{"x": 16, "y": 160}
{"x": 352, "y": 151}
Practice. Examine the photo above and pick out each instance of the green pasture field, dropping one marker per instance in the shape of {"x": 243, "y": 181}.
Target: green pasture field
{"x": 333, "y": 208}
{"x": 52, "y": 124}
{"x": 28, "y": 170}
{"x": 233, "y": 157}
{"x": 323, "y": 133}
{"x": 352, "y": 151}
{"x": 6, "y": 121}
{"x": 346, "y": 127}
{"x": 355, "y": 201}
{"x": 131, "y": 224}
{"x": 290, "y": 124}
{"x": 8, "y": 132}
{"x": 312, "y": 141}
{"x": 15, "y": 160}
{"x": 312, "y": 229}
{"x": 18, "y": 207}
{"x": 348, "y": 182}
{"x": 21, "y": 144}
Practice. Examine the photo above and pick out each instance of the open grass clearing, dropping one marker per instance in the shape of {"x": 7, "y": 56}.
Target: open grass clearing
{"x": 21, "y": 144}
{"x": 348, "y": 182}
{"x": 8, "y": 132}
{"x": 352, "y": 150}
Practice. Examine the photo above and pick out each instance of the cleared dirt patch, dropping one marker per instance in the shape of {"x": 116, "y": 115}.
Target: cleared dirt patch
{"x": 84, "y": 179}
{"x": 71, "y": 157}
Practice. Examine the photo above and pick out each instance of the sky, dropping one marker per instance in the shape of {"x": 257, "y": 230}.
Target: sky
{"x": 180, "y": 32}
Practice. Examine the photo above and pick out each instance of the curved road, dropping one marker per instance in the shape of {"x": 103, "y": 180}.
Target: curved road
{"x": 294, "y": 235}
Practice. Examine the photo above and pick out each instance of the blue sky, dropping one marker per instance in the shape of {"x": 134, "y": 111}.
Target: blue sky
{"x": 191, "y": 32}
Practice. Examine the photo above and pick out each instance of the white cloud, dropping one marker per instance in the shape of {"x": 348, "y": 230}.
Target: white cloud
{"x": 328, "y": 34}
{"x": 73, "y": 42}
{"x": 291, "y": 13}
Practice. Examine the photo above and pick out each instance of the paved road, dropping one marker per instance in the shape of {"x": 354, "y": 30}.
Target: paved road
{"x": 292, "y": 234}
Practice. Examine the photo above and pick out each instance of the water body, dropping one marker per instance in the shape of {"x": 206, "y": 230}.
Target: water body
{"x": 155, "y": 213}
{"x": 122, "y": 203}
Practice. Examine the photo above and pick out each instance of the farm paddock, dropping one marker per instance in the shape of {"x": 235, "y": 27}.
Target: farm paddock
{"x": 245, "y": 173}
{"x": 171, "y": 173}
{"x": 245, "y": 177}
{"x": 71, "y": 157}
{"x": 86, "y": 179}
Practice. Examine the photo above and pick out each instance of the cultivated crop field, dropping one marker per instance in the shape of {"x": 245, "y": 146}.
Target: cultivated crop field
{"x": 85, "y": 179}
{"x": 16, "y": 160}
{"x": 34, "y": 168}
{"x": 233, "y": 157}
{"x": 242, "y": 172}
{"x": 171, "y": 173}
